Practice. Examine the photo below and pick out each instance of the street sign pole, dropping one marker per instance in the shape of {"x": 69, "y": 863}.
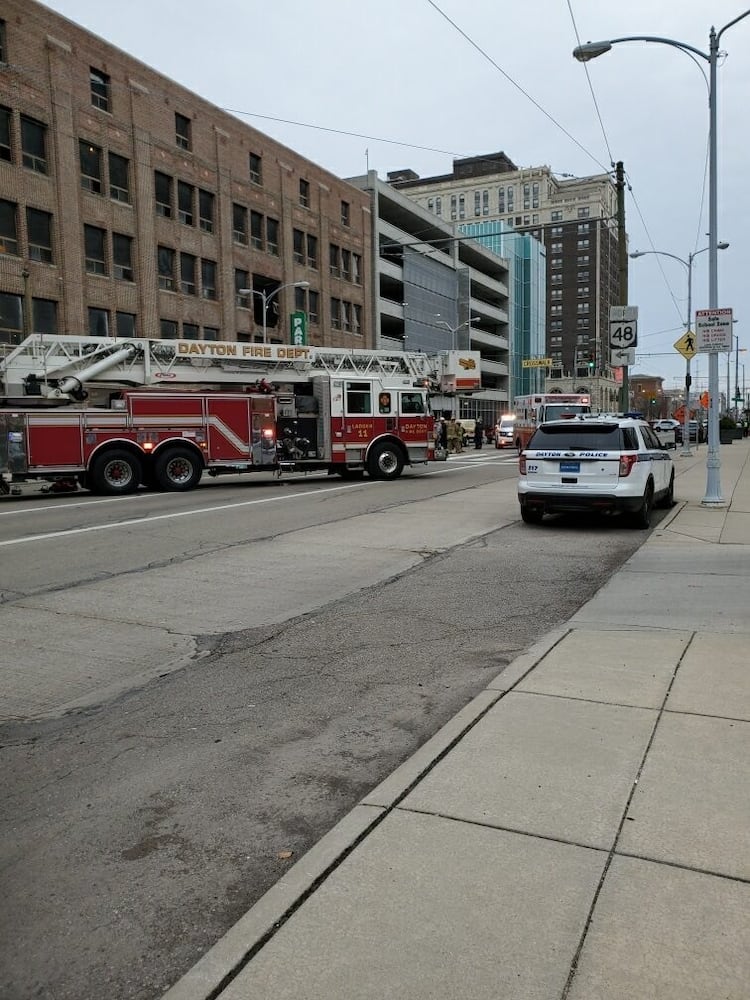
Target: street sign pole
{"x": 623, "y": 335}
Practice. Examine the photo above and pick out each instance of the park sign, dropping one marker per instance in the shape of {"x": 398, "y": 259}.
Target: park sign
{"x": 713, "y": 329}
{"x": 536, "y": 363}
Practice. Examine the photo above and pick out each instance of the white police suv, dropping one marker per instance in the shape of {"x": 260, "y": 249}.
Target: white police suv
{"x": 595, "y": 463}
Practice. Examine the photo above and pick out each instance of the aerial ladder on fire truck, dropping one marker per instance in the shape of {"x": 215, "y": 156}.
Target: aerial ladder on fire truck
{"x": 52, "y": 370}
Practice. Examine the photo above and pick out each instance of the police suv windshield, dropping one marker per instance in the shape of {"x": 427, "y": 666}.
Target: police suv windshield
{"x": 583, "y": 437}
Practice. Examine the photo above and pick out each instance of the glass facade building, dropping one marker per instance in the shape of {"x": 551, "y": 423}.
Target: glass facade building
{"x": 527, "y": 265}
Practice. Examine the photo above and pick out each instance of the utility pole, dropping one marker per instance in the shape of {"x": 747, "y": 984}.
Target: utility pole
{"x": 622, "y": 268}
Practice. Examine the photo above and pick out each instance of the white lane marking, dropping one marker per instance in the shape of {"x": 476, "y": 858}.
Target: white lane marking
{"x": 176, "y": 514}
{"x": 67, "y": 506}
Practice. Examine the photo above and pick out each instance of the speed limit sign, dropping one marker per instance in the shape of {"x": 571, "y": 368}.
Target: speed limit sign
{"x": 623, "y": 327}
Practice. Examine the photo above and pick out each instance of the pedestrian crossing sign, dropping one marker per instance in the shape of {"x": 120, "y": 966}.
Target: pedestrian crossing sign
{"x": 686, "y": 345}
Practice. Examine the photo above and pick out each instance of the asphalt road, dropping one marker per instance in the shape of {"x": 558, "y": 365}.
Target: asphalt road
{"x": 198, "y": 686}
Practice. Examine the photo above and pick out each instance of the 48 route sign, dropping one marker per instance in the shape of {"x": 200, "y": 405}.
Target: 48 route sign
{"x": 623, "y": 327}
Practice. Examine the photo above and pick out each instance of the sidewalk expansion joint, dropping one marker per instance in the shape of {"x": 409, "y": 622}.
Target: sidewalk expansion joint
{"x": 613, "y": 850}
{"x": 683, "y": 867}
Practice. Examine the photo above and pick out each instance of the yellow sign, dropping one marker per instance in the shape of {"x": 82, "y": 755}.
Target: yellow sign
{"x": 686, "y": 345}
{"x": 536, "y": 363}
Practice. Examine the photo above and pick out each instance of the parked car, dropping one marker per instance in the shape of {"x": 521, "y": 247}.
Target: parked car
{"x": 666, "y": 428}
{"x": 697, "y": 431}
{"x": 607, "y": 464}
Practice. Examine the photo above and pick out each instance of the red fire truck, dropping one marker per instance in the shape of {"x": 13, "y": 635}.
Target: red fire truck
{"x": 540, "y": 406}
{"x": 112, "y": 415}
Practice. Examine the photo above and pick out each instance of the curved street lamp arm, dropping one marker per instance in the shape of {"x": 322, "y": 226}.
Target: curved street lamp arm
{"x": 738, "y": 18}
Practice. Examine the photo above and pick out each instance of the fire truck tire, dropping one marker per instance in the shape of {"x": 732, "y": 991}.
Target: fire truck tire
{"x": 177, "y": 470}
{"x": 385, "y": 461}
{"x": 115, "y": 472}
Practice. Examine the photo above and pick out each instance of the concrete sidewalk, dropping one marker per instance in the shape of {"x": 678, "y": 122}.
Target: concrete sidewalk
{"x": 580, "y": 830}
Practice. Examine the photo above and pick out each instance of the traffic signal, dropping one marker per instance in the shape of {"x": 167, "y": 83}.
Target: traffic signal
{"x": 591, "y": 365}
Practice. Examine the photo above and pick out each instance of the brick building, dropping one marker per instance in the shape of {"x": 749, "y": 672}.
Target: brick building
{"x": 130, "y": 206}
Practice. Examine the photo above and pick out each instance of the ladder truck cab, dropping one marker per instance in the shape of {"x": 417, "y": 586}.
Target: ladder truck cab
{"x": 530, "y": 411}
{"x": 113, "y": 415}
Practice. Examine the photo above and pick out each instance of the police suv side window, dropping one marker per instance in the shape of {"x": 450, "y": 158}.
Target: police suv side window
{"x": 630, "y": 439}
{"x": 652, "y": 441}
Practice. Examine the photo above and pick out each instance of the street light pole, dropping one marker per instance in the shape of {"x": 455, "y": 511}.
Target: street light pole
{"x": 454, "y": 329}
{"x": 688, "y": 378}
{"x": 591, "y": 50}
{"x": 266, "y": 298}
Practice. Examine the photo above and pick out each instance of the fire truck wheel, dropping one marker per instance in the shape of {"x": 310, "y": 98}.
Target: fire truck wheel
{"x": 115, "y": 472}
{"x": 385, "y": 461}
{"x": 177, "y": 469}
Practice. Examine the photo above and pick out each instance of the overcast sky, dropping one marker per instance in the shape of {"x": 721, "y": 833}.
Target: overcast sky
{"x": 398, "y": 70}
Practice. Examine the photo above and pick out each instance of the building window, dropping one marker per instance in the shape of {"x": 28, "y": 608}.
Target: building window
{"x": 241, "y": 280}
{"x": 313, "y": 306}
{"x": 346, "y": 315}
{"x": 272, "y": 236}
{"x": 346, "y": 264}
{"x": 345, "y": 213}
{"x": 430, "y": 204}
{"x": 185, "y": 199}
{"x": 453, "y": 206}
{"x": 535, "y": 196}
{"x": 122, "y": 257}
{"x": 190, "y": 331}
{"x": 33, "y": 144}
{"x": 357, "y": 269}
{"x": 583, "y": 213}
{"x": 556, "y": 231}
{"x": 583, "y": 244}
{"x": 3, "y": 49}
{"x": 556, "y": 247}
{"x": 583, "y": 227}
{"x": 100, "y": 89}
{"x": 98, "y": 322}
{"x": 39, "y": 229}
{"x": 208, "y": 279}
{"x": 44, "y": 316}
{"x": 182, "y": 131}
{"x": 583, "y": 259}
{"x": 334, "y": 257}
{"x": 556, "y": 293}
{"x": 168, "y": 329}
{"x": 94, "y": 244}
{"x": 11, "y": 319}
{"x": 256, "y": 168}
{"x": 91, "y": 167}
{"x": 485, "y": 202}
{"x": 555, "y": 310}
{"x": 461, "y": 206}
{"x": 300, "y": 299}
{"x": 256, "y": 230}
{"x": 557, "y": 216}
{"x": 556, "y": 279}
{"x": 336, "y": 314}
{"x": 206, "y": 210}
{"x": 5, "y": 149}
{"x": 165, "y": 260}
{"x": 124, "y": 324}
{"x": 556, "y": 324}
{"x": 312, "y": 252}
{"x": 187, "y": 274}
{"x": 582, "y": 324}
{"x": 477, "y": 203}
{"x": 583, "y": 307}
{"x": 583, "y": 275}
{"x": 298, "y": 246}
{"x": 356, "y": 318}
{"x": 163, "y": 192}
{"x": 555, "y": 263}
{"x": 210, "y": 333}
{"x": 8, "y": 228}
{"x": 119, "y": 182}
{"x": 239, "y": 224}
{"x": 501, "y": 200}
{"x": 304, "y": 193}
{"x": 438, "y": 206}
{"x": 583, "y": 292}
